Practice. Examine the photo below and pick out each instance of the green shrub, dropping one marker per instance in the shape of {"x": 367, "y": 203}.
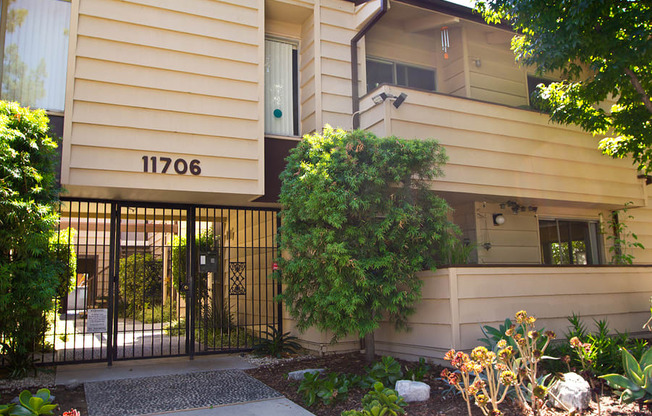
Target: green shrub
{"x": 380, "y": 401}
{"x": 62, "y": 245}
{"x": 418, "y": 371}
{"x": 637, "y": 379}
{"x": 141, "y": 283}
{"x": 328, "y": 390}
{"x": 29, "y": 276}
{"x": 385, "y": 371}
{"x": 276, "y": 344}
{"x": 30, "y": 405}
{"x": 605, "y": 349}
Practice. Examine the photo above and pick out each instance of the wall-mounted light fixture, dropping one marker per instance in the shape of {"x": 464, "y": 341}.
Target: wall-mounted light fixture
{"x": 499, "y": 219}
{"x": 379, "y": 98}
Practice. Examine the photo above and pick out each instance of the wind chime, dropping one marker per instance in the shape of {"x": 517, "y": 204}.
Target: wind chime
{"x": 445, "y": 41}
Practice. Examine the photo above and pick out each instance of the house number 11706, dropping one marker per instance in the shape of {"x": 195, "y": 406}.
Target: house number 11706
{"x": 181, "y": 166}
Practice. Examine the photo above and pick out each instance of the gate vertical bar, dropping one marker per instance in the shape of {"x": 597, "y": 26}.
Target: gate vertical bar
{"x": 279, "y": 285}
{"x": 191, "y": 267}
{"x": 110, "y": 340}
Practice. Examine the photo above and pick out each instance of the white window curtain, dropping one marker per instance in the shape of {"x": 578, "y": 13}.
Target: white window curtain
{"x": 279, "y": 114}
{"x": 36, "y": 53}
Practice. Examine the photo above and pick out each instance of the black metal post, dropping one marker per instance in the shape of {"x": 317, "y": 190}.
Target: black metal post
{"x": 191, "y": 268}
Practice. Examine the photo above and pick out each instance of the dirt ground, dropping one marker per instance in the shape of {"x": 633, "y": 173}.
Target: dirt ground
{"x": 438, "y": 404}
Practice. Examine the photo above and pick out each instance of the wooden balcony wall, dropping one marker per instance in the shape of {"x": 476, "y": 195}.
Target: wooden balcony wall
{"x": 456, "y": 302}
{"x": 508, "y": 152}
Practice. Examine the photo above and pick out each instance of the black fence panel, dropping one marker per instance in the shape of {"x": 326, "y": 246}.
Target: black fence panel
{"x": 149, "y": 280}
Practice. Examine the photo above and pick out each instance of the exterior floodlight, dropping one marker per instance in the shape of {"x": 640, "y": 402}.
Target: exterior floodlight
{"x": 499, "y": 219}
{"x": 379, "y": 98}
{"x": 399, "y": 100}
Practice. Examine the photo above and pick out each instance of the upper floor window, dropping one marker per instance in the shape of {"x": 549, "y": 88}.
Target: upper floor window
{"x": 381, "y": 71}
{"x": 35, "y": 53}
{"x": 281, "y": 88}
{"x": 570, "y": 242}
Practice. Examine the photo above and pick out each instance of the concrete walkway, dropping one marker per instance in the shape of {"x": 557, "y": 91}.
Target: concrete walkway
{"x": 83, "y": 373}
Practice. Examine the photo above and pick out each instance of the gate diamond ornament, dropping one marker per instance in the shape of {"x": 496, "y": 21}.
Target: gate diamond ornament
{"x": 237, "y": 278}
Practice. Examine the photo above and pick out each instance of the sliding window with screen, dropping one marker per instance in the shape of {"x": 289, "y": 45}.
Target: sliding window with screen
{"x": 570, "y": 242}
{"x": 380, "y": 71}
{"x": 34, "y": 37}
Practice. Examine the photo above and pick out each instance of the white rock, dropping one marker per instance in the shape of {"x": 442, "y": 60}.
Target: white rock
{"x": 574, "y": 392}
{"x": 299, "y": 374}
{"x": 413, "y": 391}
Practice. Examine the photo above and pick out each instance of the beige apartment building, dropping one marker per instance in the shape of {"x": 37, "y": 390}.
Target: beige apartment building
{"x": 176, "y": 116}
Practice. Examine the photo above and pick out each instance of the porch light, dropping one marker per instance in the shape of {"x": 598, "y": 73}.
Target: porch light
{"x": 399, "y": 100}
{"x": 499, "y": 219}
{"x": 380, "y": 98}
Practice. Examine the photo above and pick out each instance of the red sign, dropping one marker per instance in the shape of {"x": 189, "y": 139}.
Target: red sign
{"x": 275, "y": 266}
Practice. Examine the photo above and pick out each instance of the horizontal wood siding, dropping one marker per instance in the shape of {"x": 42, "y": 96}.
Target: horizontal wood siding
{"x": 488, "y": 296}
{"x": 170, "y": 79}
{"x": 641, "y": 225}
{"x": 458, "y": 301}
{"x": 502, "y": 151}
{"x": 307, "y": 97}
{"x": 337, "y": 23}
{"x": 498, "y": 79}
{"x": 431, "y": 332}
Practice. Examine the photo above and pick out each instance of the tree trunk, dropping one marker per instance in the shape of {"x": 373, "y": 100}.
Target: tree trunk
{"x": 370, "y": 347}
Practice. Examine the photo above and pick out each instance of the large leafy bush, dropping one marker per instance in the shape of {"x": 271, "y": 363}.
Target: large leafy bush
{"x": 29, "y": 276}
{"x": 358, "y": 222}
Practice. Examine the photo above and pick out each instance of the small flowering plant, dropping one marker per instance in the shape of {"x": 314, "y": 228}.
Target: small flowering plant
{"x": 524, "y": 361}
{"x": 514, "y": 365}
{"x": 486, "y": 392}
{"x": 72, "y": 412}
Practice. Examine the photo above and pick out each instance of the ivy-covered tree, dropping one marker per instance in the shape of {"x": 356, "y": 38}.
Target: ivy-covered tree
{"x": 358, "y": 223}
{"x": 603, "y": 50}
{"x": 29, "y": 276}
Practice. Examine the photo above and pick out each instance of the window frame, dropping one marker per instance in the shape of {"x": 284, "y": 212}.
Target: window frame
{"x": 595, "y": 246}
{"x": 394, "y": 65}
{"x": 295, "y": 85}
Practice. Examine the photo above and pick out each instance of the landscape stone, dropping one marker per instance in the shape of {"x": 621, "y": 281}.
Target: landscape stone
{"x": 299, "y": 374}
{"x": 413, "y": 391}
{"x": 573, "y": 391}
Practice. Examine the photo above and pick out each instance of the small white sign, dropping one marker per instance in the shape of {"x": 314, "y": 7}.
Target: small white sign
{"x": 96, "y": 320}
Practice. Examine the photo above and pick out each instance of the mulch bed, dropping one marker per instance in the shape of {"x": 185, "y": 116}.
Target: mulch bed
{"x": 275, "y": 377}
{"x": 439, "y": 403}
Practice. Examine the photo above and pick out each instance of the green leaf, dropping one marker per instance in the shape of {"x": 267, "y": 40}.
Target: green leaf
{"x": 620, "y": 382}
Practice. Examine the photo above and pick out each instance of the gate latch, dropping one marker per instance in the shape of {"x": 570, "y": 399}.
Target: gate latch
{"x": 185, "y": 287}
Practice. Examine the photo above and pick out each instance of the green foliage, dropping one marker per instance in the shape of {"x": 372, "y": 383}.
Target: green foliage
{"x": 603, "y": 50}
{"x": 28, "y": 275}
{"x": 358, "y": 222}
{"x": 622, "y": 240}
{"x": 380, "y": 401}
{"x": 328, "y": 390}
{"x": 418, "y": 371}
{"x": 62, "y": 244}
{"x": 141, "y": 283}
{"x": 457, "y": 251}
{"x": 636, "y": 382}
{"x": 494, "y": 335}
{"x": 30, "y": 405}
{"x": 600, "y": 351}
{"x": 276, "y": 344}
{"x": 386, "y": 371}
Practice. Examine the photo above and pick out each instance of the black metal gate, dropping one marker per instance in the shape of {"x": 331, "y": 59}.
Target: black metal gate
{"x": 151, "y": 280}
